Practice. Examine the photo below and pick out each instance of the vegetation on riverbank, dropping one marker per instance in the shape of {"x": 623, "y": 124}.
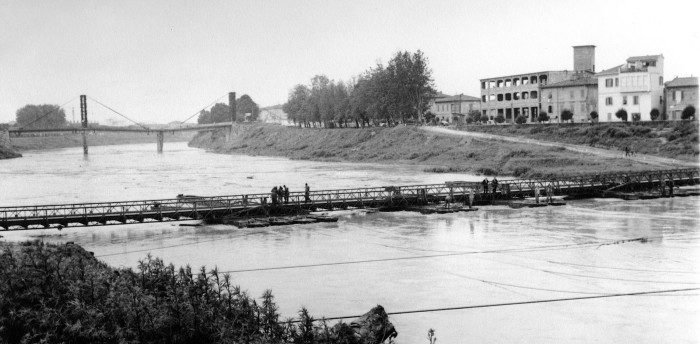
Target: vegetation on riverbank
{"x": 6, "y": 153}
{"x": 62, "y": 294}
{"x": 409, "y": 144}
{"x": 670, "y": 139}
{"x": 28, "y": 142}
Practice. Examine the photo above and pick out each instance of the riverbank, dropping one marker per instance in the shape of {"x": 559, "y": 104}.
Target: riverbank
{"x": 8, "y": 154}
{"x": 669, "y": 139}
{"x": 411, "y": 145}
{"x": 37, "y": 142}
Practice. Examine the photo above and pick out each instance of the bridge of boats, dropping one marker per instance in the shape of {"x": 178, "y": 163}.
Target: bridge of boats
{"x": 195, "y": 207}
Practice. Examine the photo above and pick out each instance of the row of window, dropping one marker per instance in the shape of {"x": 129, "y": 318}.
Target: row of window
{"x": 635, "y": 100}
{"x": 514, "y": 82}
{"x": 510, "y": 96}
{"x": 633, "y": 80}
{"x": 571, "y": 95}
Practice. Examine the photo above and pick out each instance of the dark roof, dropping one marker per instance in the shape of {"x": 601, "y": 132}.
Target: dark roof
{"x": 587, "y": 81}
{"x": 613, "y": 70}
{"x": 683, "y": 82}
{"x": 456, "y": 98}
{"x": 644, "y": 58}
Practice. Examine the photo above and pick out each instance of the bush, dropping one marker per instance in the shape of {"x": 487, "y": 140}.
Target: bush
{"x": 636, "y": 117}
{"x": 521, "y": 119}
{"x": 654, "y": 114}
{"x": 566, "y": 115}
{"x": 500, "y": 118}
{"x": 688, "y": 113}
{"x": 474, "y": 115}
{"x": 543, "y": 117}
{"x": 593, "y": 115}
{"x": 621, "y": 114}
{"x": 484, "y": 118}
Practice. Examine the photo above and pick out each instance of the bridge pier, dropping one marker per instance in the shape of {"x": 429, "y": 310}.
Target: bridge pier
{"x": 159, "y": 137}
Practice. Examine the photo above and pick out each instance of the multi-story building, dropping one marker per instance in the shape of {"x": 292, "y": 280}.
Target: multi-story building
{"x": 520, "y": 94}
{"x": 454, "y": 109}
{"x": 636, "y": 87}
{"x": 679, "y": 94}
{"x": 578, "y": 95}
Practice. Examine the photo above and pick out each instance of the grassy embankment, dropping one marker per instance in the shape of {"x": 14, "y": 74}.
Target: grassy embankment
{"x": 63, "y": 294}
{"x": 24, "y": 143}
{"x": 678, "y": 140}
{"x": 8, "y": 153}
{"x": 440, "y": 153}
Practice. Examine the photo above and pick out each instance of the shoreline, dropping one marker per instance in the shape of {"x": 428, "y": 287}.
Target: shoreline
{"x": 438, "y": 153}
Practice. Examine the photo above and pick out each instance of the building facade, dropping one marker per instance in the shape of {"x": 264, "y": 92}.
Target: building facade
{"x": 637, "y": 87}
{"x": 578, "y": 95}
{"x": 515, "y": 95}
{"x": 679, "y": 94}
{"x": 454, "y": 109}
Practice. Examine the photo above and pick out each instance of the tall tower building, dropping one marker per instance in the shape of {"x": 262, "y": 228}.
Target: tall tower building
{"x": 584, "y": 58}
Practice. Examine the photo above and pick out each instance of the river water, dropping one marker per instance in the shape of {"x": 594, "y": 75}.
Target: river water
{"x": 403, "y": 261}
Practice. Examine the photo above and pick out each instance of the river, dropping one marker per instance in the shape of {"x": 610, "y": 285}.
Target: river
{"x": 403, "y": 261}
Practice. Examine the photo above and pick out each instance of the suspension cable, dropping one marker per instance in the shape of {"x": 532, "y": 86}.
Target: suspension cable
{"x": 204, "y": 108}
{"x": 115, "y": 111}
{"x": 46, "y": 114}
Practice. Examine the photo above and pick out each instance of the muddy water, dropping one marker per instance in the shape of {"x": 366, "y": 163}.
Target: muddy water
{"x": 403, "y": 261}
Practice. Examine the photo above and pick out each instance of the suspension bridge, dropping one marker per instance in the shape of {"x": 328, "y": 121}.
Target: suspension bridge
{"x": 86, "y": 128}
{"x": 394, "y": 197}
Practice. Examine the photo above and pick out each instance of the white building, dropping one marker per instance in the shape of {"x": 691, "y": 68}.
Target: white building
{"x": 637, "y": 87}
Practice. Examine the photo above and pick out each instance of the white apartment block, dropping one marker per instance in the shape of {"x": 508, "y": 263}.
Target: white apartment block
{"x": 637, "y": 87}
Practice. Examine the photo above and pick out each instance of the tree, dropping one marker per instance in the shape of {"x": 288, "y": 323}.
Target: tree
{"x": 654, "y": 114}
{"x": 621, "y": 114}
{"x": 484, "y": 118}
{"x": 521, "y": 119}
{"x": 475, "y": 115}
{"x": 688, "y": 113}
{"x": 41, "y": 116}
{"x": 429, "y": 116}
{"x": 500, "y": 119}
{"x": 594, "y": 116}
{"x": 294, "y": 106}
{"x": 566, "y": 115}
{"x": 636, "y": 117}
{"x": 410, "y": 84}
{"x": 543, "y": 116}
{"x": 244, "y": 105}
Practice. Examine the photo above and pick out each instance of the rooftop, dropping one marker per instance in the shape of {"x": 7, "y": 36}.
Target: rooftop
{"x": 613, "y": 70}
{"x": 457, "y": 98}
{"x": 586, "y": 81}
{"x": 683, "y": 82}
{"x": 644, "y": 58}
{"x": 524, "y": 74}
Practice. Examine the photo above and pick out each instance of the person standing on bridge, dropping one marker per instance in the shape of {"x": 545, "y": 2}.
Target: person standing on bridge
{"x": 273, "y": 195}
{"x": 494, "y": 185}
{"x": 485, "y": 184}
{"x": 471, "y": 197}
{"x": 286, "y": 194}
{"x": 306, "y": 193}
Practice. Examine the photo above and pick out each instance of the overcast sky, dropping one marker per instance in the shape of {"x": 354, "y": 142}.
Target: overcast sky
{"x": 159, "y": 61}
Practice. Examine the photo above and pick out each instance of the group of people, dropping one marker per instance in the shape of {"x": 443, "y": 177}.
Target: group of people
{"x": 494, "y": 186}
{"x": 629, "y": 151}
{"x": 280, "y": 194}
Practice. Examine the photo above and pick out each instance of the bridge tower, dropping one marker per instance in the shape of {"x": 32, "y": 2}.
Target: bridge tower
{"x": 232, "y": 107}
{"x": 84, "y": 121}
{"x": 159, "y": 136}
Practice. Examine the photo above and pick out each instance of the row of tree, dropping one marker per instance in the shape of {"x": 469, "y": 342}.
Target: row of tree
{"x": 397, "y": 92}
{"x": 221, "y": 112}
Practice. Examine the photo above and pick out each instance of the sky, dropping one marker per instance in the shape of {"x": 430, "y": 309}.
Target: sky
{"x": 159, "y": 61}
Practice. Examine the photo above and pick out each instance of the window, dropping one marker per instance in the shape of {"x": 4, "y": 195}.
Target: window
{"x": 483, "y": 85}
{"x": 549, "y": 97}
{"x": 635, "y": 100}
{"x": 507, "y": 84}
{"x": 526, "y": 95}
{"x": 617, "y": 82}
{"x": 483, "y": 99}
{"x": 682, "y": 95}
{"x": 624, "y": 100}
{"x": 549, "y": 109}
{"x": 516, "y": 82}
{"x": 661, "y": 81}
{"x": 608, "y": 101}
{"x": 516, "y": 96}
{"x": 492, "y": 97}
{"x": 499, "y": 83}
{"x": 608, "y": 82}
{"x": 533, "y": 94}
{"x": 526, "y": 80}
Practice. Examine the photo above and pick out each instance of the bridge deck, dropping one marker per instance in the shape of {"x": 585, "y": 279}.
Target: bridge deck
{"x": 189, "y": 208}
